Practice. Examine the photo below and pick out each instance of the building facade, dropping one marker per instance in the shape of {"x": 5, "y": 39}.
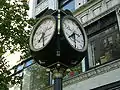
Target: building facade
{"x": 100, "y": 70}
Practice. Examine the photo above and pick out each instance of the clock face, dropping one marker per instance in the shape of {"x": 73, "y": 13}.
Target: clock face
{"x": 42, "y": 33}
{"x": 74, "y": 33}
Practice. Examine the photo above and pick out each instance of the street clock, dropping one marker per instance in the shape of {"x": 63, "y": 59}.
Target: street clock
{"x": 42, "y": 33}
{"x": 74, "y": 33}
{"x": 41, "y": 40}
{"x": 58, "y": 38}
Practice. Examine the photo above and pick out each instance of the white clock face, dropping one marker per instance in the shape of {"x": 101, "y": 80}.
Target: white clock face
{"x": 73, "y": 33}
{"x": 43, "y": 33}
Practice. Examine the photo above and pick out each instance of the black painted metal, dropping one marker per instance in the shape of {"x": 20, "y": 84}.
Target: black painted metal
{"x": 58, "y": 83}
{"x": 58, "y": 4}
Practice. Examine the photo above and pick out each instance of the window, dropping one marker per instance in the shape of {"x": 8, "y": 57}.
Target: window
{"x": 105, "y": 46}
{"x": 80, "y": 3}
{"x": 19, "y": 68}
{"x": 67, "y": 4}
{"x": 28, "y": 63}
{"x": 104, "y": 42}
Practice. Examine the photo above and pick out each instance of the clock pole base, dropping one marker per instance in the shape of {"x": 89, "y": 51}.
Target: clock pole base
{"x": 58, "y": 70}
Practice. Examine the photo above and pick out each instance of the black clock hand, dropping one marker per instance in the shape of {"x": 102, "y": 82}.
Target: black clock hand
{"x": 73, "y": 36}
{"x": 74, "y": 39}
{"x": 43, "y": 34}
{"x": 69, "y": 28}
{"x": 40, "y": 39}
{"x": 78, "y": 34}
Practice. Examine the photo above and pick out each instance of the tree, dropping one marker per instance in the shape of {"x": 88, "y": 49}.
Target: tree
{"x": 13, "y": 35}
{"x": 5, "y": 76}
{"x": 13, "y": 21}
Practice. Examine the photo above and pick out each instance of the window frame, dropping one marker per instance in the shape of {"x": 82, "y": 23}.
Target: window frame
{"x": 92, "y": 60}
{"x": 64, "y": 3}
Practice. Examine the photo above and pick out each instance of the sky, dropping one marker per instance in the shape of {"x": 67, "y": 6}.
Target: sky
{"x": 12, "y": 58}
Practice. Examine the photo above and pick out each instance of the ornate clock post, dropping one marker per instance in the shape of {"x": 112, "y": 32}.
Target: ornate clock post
{"x": 58, "y": 41}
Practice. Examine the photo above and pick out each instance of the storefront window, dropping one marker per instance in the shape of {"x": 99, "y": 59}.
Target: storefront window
{"x": 105, "y": 46}
{"x": 104, "y": 42}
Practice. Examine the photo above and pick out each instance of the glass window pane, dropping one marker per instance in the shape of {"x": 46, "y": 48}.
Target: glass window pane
{"x": 28, "y": 63}
{"x": 70, "y": 5}
{"x": 105, "y": 46}
{"x": 20, "y": 67}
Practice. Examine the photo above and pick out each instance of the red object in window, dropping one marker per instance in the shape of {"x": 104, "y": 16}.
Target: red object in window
{"x": 71, "y": 74}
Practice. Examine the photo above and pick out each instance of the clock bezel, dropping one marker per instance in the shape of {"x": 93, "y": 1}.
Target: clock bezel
{"x": 82, "y": 31}
{"x": 36, "y": 27}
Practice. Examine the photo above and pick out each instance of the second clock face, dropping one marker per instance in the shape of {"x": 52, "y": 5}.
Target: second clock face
{"x": 73, "y": 33}
{"x": 43, "y": 32}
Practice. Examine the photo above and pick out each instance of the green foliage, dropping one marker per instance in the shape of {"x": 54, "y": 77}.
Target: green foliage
{"x": 5, "y": 76}
{"x": 13, "y": 21}
{"x": 14, "y": 35}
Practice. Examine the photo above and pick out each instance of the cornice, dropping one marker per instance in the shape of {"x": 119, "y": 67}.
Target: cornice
{"x": 93, "y": 72}
{"x": 90, "y": 73}
{"x": 86, "y": 6}
{"x": 101, "y": 15}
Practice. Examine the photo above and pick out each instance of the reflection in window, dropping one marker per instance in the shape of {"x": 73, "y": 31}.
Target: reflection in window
{"x": 93, "y": 50}
{"x": 74, "y": 71}
{"x": 68, "y": 4}
{"x": 28, "y": 63}
{"x": 105, "y": 46}
{"x": 20, "y": 67}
